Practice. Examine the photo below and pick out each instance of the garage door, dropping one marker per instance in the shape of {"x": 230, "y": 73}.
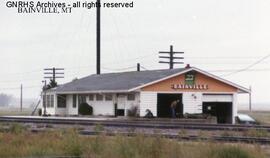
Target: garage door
{"x": 217, "y": 98}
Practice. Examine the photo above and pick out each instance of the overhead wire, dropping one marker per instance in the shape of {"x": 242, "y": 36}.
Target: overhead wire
{"x": 248, "y": 67}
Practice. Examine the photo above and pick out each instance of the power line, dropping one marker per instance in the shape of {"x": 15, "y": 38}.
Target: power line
{"x": 120, "y": 69}
{"x": 248, "y": 67}
{"x": 14, "y": 88}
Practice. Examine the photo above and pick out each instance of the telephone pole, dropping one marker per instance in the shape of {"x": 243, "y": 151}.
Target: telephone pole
{"x": 44, "y": 98}
{"x": 98, "y": 36}
{"x": 250, "y": 103}
{"x": 171, "y": 56}
{"x": 53, "y": 73}
{"x": 21, "y": 99}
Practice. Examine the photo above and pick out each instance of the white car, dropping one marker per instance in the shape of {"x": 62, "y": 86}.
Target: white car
{"x": 245, "y": 119}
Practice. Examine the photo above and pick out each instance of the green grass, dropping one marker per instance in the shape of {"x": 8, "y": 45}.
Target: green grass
{"x": 18, "y": 142}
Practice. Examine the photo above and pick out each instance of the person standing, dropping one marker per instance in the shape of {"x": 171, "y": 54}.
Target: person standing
{"x": 173, "y": 108}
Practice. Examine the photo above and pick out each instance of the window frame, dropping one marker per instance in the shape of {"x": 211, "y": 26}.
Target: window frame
{"x": 92, "y": 98}
{"x": 133, "y": 97}
{"x": 58, "y": 101}
{"x": 99, "y": 99}
{"x": 74, "y": 100}
{"x": 110, "y": 97}
{"x": 52, "y": 101}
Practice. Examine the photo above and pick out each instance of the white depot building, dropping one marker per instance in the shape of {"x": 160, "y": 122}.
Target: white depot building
{"x": 113, "y": 94}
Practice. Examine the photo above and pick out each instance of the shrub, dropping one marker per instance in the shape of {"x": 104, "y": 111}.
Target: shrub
{"x": 39, "y": 112}
{"x": 133, "y": 111}
{"x": 85, "y": 109}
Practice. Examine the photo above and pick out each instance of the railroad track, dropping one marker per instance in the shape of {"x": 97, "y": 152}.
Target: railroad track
{"x": 136, "y": 124}
{"x": 231, "y": 139}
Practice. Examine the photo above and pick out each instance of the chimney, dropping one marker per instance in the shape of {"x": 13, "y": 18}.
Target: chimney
{"x": 187, "y": 66}
{"x": 138, "y": 67}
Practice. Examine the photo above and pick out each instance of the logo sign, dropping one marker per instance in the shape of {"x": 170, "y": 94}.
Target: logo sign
{"x": 190, "y": 78}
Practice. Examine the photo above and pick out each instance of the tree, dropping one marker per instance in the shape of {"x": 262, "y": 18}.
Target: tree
{"x": 51, "y": 85}
{"x": 5, "y": 99}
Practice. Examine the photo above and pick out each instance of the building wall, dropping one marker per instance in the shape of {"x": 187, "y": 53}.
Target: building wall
{"x": 192, "y": 102}
{"x": 148, "y": 100}
{"x": 49, "y": 110}
{"x": 70, "y": 109}
{"x": 235, "y": 107}
{"x": 102, "y": 107}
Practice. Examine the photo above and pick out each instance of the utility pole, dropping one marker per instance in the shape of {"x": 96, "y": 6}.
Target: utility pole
{"x": 21, "y": 99}
{"x": 44, "y": 97}
{"x": 98, "y": 36}
{"x": 171, "y": 57}
{"x": 250, "y": 103}
{"x": 138, "y": 67}
{"x": 53, "y": 73}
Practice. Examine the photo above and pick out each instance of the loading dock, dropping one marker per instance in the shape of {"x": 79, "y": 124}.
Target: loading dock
{"x": 221, "y": 110}
{"x": 164, "y": 102}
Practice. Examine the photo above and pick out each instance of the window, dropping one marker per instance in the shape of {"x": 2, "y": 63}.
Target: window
{"x": 91, "y": 97}
{"x": 81, "y": 99}
{"x": 131, "y": 97}
{"x": 44, "y": 100}
{"x": 52, "y": 101}
{"x": 99, "y": 97}
{"x": 61, "y": 101}
{"x": 48, "y": 101}
{"x": 108, "y": 97}
{"x": 74, "y": 101}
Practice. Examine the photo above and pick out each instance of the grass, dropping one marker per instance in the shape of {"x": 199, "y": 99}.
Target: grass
{"x": 257, "y": 133}
{"x": 262, "y": 117}
{"x": 15, "y": 111}
{"x": 18, "y": 142}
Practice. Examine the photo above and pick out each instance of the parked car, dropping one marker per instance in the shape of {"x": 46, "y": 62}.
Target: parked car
{"x": 245, "y": 119}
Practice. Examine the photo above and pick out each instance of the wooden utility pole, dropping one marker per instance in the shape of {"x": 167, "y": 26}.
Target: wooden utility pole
{"x": 250, "y": 103}
{"x": 138, "y": 67}
{"x": 171, "y": 57}
{"x": 98, "y": 36}
{"x": 21, "y": 99}
{"x": 53, "y": 73}
{"x": 44, "y": 98}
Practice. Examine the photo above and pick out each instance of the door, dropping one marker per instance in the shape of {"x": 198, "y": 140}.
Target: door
{"x": 121, "y": 105}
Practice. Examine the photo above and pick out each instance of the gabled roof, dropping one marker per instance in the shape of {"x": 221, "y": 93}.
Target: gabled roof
{"x": 123, "y": 81}
{"x": 130, "y": 81}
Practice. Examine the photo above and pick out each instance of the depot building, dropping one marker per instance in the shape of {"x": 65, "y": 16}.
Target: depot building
{"x": 115, "y": 94}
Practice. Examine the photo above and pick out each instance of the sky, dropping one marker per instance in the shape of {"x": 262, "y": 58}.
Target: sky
{"x": 221, "y": 37}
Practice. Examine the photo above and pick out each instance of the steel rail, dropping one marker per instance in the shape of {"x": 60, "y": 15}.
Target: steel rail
{"x": 136, "y": 124}
{"x": 231, "y": 139}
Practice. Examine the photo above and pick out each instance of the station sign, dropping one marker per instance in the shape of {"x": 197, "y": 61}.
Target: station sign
{"x": 186, "y": 86}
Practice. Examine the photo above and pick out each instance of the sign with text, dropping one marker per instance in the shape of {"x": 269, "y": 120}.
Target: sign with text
{"x": 195, "y": 87}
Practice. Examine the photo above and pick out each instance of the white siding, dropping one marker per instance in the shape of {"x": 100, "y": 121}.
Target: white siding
{"x": 124, "y": 103}
{"x": 235, "y": 108}
{"x": 70, "y": 109}
{"x": 101, "y": 107}
{"x": 192, "y": 102}
{"x": 132, "y": 103}
{"x": 50, "y": 110}
{"x": 217, "y": 98}
{"x": 148, "y": 100}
